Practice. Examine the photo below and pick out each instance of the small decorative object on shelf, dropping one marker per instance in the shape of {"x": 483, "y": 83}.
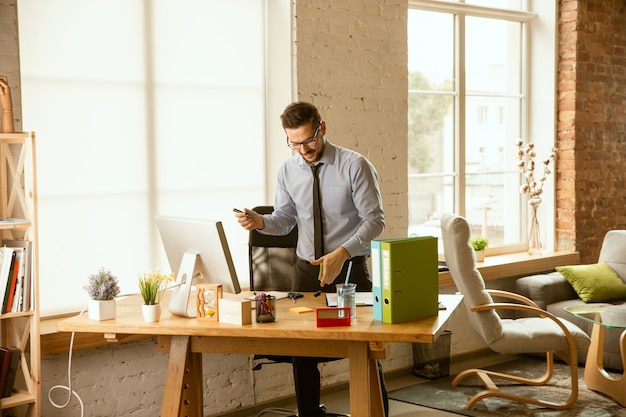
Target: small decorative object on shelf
{"x": 102, "y": 288}
{"x": 208, "y": 301}
{"x": 265, "y": 308}
{"x": 152, "y": 285}
{"x": 479, "y": 243}
{"x": 6, "y": 106}
{"x": 533, "y": 188}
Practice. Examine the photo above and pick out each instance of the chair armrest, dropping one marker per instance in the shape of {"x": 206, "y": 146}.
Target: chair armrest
{"x": 513, "y": 296}
{"x": 545, "y": 289}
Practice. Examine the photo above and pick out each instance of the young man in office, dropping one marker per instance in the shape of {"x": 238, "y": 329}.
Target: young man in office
{"x": 338, "y": 214}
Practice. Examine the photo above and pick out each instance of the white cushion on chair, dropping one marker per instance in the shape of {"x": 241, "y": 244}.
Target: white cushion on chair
{"x": 522, "y": 335}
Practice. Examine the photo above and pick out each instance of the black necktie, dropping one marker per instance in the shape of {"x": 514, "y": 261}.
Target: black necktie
{"x": 318, "y": 240}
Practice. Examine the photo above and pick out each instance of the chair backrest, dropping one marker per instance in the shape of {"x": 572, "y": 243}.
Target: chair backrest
{"x": 613, "y": 252}
{"x": 461, "y": 261}
{"x": 271, "y": 258}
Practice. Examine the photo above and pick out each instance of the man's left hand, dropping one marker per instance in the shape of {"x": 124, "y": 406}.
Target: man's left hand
{"x": 331, "y": 263}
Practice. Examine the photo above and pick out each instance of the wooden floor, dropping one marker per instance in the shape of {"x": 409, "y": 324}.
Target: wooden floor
{"x": 339, "y": 402}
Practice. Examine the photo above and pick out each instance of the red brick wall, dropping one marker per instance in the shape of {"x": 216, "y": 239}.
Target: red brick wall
{"x": 591, "y": 130}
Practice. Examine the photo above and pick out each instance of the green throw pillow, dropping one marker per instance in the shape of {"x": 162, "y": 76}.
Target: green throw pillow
{"x": 595, "y": 282}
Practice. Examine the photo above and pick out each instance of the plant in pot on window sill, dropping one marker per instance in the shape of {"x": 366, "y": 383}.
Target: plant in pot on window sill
{"x": 152, "y": 285}
{"x": 479, "y": 243}
{"x": 102, "y": 288}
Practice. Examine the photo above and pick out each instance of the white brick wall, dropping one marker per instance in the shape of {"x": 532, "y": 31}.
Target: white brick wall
{"x": 351, "y": 61}
{"x": 127, "y": 379}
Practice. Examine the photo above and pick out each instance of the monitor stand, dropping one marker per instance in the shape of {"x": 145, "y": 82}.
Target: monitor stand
{"x": 179, "y": 303}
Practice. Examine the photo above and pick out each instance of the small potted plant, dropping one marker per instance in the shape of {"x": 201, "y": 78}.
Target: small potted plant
{"x": 102, "y": 288}
{"x": 479, "y": 243}
{"x": 152, "y": 285}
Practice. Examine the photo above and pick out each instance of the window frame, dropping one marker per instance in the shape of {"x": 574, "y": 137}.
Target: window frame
{"x": 538, "y": 111}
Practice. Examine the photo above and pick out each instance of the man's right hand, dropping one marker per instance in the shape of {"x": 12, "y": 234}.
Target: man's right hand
{"x": 250, "y": 219}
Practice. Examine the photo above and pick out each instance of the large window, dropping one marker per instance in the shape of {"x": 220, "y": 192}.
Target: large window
{"x": 470, "y": 100}
{"x": 141, "y": 108}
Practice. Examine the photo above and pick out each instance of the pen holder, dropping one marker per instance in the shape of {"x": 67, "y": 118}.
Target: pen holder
{"x": 265, "y": 308}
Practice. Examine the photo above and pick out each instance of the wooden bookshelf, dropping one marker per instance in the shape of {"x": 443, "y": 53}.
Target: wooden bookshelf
{"x": 18, "y": 200}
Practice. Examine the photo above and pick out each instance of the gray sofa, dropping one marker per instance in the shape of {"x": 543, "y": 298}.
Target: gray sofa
{"x": 553, "y": 293}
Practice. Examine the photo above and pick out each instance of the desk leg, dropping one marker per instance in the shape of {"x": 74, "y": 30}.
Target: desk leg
{"x": 364, "y": 382}
{"x": 183, "y": 383}
{"x": 596, "y": 377}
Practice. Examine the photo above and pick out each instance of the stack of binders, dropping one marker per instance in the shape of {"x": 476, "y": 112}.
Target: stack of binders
{"x": 405, "y": 278}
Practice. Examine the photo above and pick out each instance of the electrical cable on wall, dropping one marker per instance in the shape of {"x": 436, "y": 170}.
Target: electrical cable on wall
{"x": 68, "y": 387}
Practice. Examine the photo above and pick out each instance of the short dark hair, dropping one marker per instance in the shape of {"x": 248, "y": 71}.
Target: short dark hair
{"x": 299, "y": 114}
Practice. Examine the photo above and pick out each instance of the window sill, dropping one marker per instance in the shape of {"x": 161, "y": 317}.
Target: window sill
{"x": 516, "y": 265}
{"x": 494, "y": 267}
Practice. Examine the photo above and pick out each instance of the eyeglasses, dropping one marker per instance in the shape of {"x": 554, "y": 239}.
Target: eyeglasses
{"x": 308, "y": 142}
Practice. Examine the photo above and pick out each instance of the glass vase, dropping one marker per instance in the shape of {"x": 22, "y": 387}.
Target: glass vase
{"x": 535, "y": 247}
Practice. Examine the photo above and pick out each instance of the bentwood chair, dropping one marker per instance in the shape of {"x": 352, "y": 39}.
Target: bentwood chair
{"x": 541, "y": 333}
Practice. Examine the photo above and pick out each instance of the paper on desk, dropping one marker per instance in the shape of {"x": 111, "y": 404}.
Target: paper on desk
{"x": 277, "y": 294}
{"x": 362, "y": 299}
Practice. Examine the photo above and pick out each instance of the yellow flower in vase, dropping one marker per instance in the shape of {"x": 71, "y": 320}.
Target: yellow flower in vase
{"x": 152, "y": 285}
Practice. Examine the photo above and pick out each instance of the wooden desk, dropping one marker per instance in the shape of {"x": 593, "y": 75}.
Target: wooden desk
{"x": 292, "y": 334}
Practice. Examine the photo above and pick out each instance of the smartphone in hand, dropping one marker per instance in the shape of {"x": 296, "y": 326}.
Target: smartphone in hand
{"x": 236, "y": 210}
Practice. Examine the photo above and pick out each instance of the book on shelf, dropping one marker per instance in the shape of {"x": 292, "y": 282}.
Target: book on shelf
{"x": 14, "y": 363}
{"x": 14, "y": 305}
{"x": 24, "y": 302}
{"x": 14, "y": 279}
{"x": 8, "y": 257}
{"x": 9, "y": 363}
{"x": 5, "y": 363}
{"x": 9, "y": 220}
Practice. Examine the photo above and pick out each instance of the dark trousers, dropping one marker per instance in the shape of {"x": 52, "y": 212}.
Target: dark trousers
{"x": 306, "y": 374}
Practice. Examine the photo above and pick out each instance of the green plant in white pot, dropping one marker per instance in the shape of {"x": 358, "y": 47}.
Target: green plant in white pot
{"x": 102, "y": 288}
{"x": 152, "y": 285}
{"x": 479, "y": 243}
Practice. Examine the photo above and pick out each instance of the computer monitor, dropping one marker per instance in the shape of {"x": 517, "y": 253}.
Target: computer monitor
{"x": 198, "y": 252}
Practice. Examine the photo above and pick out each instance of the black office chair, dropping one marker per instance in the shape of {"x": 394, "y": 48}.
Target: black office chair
{"x": 272, "y": 260}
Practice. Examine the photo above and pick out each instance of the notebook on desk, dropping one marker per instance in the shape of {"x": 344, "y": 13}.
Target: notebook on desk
{"x": 362, "y": 299}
